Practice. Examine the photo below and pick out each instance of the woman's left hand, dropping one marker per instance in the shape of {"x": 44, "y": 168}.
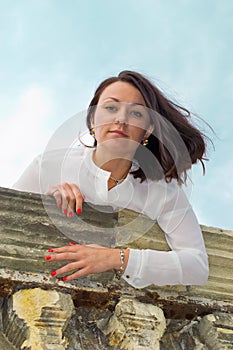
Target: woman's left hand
{"x": 85, "y": 259}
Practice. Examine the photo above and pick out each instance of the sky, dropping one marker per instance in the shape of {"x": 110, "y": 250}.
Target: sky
{"x": 55, "y": 53}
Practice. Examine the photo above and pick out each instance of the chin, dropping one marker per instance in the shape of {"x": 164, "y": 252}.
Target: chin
{"x": 120, "y": 146}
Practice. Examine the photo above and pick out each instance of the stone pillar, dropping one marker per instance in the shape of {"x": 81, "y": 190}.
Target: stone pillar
{"x": 35, "y": 319}
{"x": 135, "y": 325}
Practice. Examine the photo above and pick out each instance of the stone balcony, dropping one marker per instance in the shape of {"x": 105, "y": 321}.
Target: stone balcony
{"x": 99, "y": 311}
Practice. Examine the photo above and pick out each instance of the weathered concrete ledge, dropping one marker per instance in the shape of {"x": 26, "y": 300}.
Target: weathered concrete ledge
{"x": 26, "y": 232}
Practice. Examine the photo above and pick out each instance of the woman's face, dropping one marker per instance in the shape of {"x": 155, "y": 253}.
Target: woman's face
{"x": 121, "y": 116}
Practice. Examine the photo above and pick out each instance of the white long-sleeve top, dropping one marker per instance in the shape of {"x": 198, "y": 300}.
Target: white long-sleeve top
{"x": 186, "y": 263}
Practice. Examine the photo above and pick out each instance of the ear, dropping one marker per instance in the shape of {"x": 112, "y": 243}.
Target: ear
{"x": 149, "y": 131}
{"x": 92, "y": 121}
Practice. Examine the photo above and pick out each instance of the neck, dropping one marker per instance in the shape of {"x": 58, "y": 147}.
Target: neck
{"x": 116, "y": 165}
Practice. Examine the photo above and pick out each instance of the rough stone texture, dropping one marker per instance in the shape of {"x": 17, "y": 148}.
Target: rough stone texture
{"x": 179, "y": 335}
{"x": 83, "y": 332}
{"x": 4, "y": 343}
{"x": 135, "y": 325}
{"x": 216, "y": 331}
{"x": 212, "y": 332}
{"x": 35, "y": 319}
{"x": 26, "y": 232}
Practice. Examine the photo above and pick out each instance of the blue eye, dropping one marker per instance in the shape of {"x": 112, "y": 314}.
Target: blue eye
{"x": 137, "y": 114}
{"x": 111, "y": 108}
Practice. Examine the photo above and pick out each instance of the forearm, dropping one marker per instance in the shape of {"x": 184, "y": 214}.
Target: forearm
{"x": 147, "y": 267}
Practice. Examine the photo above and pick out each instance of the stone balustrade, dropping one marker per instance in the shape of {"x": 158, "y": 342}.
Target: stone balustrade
{"x": 100, "y": 312}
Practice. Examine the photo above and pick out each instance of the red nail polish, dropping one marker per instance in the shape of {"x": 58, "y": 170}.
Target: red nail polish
{"x": 72, "y": 243}
{"x": 70, "y": 214}
{"x": 78, "y": 211}
{"x": 53, "y": 273}
{"x": 64, "y": 278}
{"x": 48, "y": 257}
{"x": 50, "y": 250}
{"x": 60, "y": 205}
{"x": 65, "y": 211}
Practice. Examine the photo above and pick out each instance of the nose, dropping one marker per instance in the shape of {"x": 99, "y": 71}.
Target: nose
{"x": 122, "y": 116}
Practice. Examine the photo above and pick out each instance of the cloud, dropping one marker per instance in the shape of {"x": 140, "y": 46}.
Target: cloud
{"x": 24, "y": 133}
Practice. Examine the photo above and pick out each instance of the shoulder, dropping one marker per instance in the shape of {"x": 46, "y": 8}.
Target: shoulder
{"x": 161, "y": 186}
{"x": 62, "y": 155}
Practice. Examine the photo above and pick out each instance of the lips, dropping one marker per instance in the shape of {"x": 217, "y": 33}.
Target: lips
{"x": 118, "y": 133}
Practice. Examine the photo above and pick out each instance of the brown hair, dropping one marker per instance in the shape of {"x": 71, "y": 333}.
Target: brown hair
{"x": 169, "y": 160}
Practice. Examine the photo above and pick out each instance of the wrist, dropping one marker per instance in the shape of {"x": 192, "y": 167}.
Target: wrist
{"x": 123, "y": 257}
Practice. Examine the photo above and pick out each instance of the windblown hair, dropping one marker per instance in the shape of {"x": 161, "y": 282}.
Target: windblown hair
{"x": 169, "y": 155}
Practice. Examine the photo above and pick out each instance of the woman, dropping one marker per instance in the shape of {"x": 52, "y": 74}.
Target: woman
{"x": 126, "y": 112}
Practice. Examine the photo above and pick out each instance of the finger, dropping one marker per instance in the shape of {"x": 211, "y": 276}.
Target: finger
{"x": 68, "y": 248}
{"x": 68, "y": 199}
{"x": 62, "y": 256}
{"x": 73, "y": 243}
{"x": 80, "y": 273}
{"x": 67, "y": 268}
{"x": 51, "y": 191}
{"x": 64, "y": 202}
{"x": 54, "y": 192}
{"x": 58, "y": 198}
{"x": 79, "y": 198}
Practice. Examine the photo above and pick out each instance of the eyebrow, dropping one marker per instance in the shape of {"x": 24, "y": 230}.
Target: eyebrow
{"x": 115, "y": 99}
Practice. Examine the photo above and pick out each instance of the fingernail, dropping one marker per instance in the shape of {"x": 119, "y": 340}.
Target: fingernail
{"x": 53, "y": 273}
{"x": 72, "y": 243}
{"x": 60, "y": 205}
{"x": 64, "y": 278}
{"x": 48, "y": 257}
{"x": 78, "y": 211}
{"x": 70, "y": 214}
{"x": 65, "y": 211}
{"x": 50, "y": 250}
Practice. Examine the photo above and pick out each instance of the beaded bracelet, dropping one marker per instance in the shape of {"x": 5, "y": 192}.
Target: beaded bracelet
{"x": 121, "y": 270}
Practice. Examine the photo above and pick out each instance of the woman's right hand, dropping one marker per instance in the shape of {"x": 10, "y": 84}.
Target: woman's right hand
{"x": 68, "y": 197}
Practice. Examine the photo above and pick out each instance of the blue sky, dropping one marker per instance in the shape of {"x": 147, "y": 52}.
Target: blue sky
{"x": 54, "y": 54}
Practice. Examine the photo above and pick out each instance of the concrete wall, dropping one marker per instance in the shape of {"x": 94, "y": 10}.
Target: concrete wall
{"x": 100, "y": 312}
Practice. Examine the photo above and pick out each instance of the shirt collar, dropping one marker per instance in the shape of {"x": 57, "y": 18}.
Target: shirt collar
{"x": 101, "y": 176}
{"x": 92, "y": 167}
{"x": 95, "y": 170}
